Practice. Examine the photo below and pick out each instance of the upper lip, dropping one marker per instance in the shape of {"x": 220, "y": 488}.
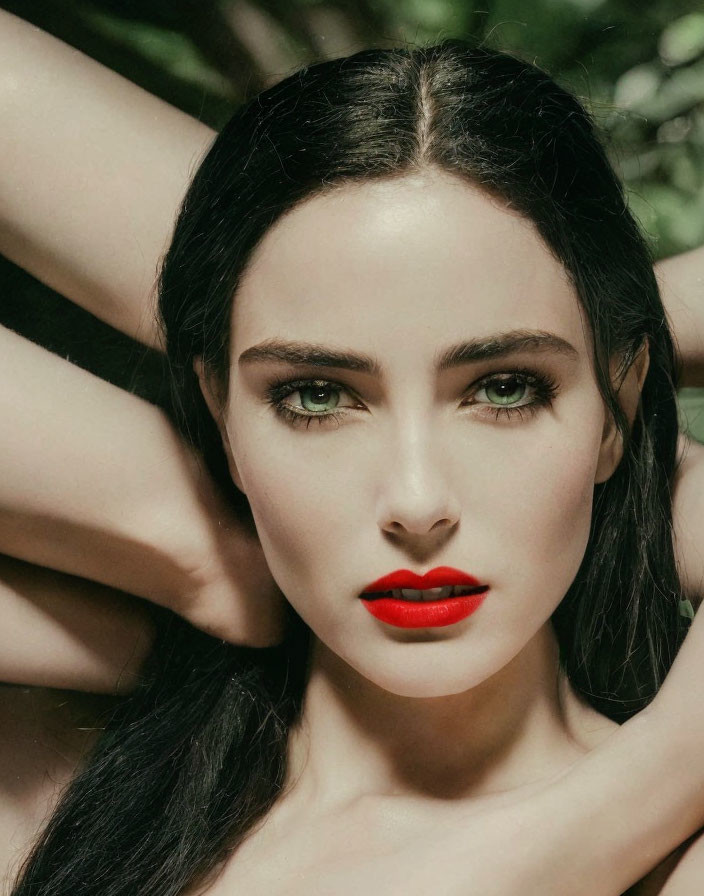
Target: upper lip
{"x": 434, "y": 578}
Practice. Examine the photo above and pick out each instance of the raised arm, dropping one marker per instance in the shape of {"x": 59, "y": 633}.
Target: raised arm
{"x": 60, "y": 631}
{"x": 93, "y": 171}
{"x": 681, "y": 281}
{"x": 688, "y": 519}
{"x": 106, "y": 503}
{"x": 97, "y": 483}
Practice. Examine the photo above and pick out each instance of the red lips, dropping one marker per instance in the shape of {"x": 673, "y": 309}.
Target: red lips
{"x": 434, "y": 578}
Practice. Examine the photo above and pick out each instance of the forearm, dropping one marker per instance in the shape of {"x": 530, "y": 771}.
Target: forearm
{"x": 687, "y": 517}
{"x": 638, "y": 795}
{"x": 59, "y": 631}
{"x": 681, "y": 282}
{"x": 623, "y": 808}
{"x": 93, "y": 172}
{"x": 96, "y": 482}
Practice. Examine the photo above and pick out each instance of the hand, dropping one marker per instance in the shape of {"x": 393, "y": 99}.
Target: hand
{"x": 234, "y": 595}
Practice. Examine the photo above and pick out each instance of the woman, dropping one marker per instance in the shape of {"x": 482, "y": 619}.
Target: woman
{"x": 403, "y": 204}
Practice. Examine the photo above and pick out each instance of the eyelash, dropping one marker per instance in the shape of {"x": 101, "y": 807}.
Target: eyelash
{"x": 544, "y": 386}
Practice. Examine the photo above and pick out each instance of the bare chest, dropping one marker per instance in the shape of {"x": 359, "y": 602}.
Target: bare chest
{"x": 348, "y": 854}
{"x": 351, "y": 856}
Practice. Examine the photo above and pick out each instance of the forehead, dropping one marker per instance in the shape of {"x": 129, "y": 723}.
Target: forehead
{"x": 422, "y": 259}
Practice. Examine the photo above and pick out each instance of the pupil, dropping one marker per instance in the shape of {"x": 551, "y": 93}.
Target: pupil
{"x": 317, "y": 394}
{"x": 505, "y": 390}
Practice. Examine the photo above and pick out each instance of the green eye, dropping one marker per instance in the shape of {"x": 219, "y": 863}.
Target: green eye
{"x": 320, "y": 397}
{"x": 515, "y": 392}
{"x": 507, "y": 391}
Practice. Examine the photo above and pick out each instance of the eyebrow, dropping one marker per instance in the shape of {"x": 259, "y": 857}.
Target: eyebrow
{"x": 497, "y": 345}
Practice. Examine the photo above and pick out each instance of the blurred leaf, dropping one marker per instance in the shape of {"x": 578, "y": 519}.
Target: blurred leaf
{"x": 683, "y": 40}
{"x": 686, "y": 609}
{"x": 429, "y": 14}
{"x": 638, "y": 86}
{"x": 675, "y": 130}
{"x": 172, "y": 51}
{"x": 638, "y": 66}
{"x": 678, "y": 93}
{"x": 671, "y": 219}
{"x": 691, "y": 410}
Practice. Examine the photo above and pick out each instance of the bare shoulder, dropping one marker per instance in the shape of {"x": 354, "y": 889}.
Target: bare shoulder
{"x": 44, "y": 735}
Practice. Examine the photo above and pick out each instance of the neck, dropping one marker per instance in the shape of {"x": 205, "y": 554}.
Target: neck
{"x": 357, "y": 740}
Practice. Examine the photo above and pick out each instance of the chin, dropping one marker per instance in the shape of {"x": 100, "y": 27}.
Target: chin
{"x": 426, "y": 679}
{"x": 411, "y": 669}
{"x": 423, "y": 690}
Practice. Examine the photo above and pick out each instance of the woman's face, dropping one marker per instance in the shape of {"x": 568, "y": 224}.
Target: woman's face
{"x": 487, "y": 466}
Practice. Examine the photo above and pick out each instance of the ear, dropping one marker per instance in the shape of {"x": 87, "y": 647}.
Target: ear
{"x": 628, "y": 393}
{"x": 211, "y": 391}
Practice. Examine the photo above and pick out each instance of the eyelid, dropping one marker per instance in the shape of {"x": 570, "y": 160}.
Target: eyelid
{"x": 288, "y": 387}
{"x": 527, "y": 376}
{"x": 283, "y": 387}
{"x": 543, "y": 385}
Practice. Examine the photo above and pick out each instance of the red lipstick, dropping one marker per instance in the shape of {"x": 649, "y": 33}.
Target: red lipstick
{"x": 434, "y": 578}
{"x": 381, "y": 601}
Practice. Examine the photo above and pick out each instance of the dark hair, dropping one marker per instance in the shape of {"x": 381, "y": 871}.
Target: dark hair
{"x": 197, "y": 754}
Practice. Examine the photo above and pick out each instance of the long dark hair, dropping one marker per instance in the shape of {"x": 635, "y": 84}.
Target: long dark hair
{"x": 198, "y": 753}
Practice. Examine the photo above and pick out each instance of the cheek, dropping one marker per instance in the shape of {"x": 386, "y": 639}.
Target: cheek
{"x": 301, "y": 504}
{"x": 539, "y": 509}
{"x": 525, "y": 503}
{"x": 525, "y": 499}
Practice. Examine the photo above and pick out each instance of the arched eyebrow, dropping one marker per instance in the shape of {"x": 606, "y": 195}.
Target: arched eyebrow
{"x": 498, "y": 345}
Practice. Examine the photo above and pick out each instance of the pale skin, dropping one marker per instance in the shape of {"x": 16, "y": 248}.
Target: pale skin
{"x": 79, "y": 262}
{"x": 402, "y": 731}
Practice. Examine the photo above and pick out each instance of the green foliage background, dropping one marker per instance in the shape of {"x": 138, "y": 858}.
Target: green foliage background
{"x": 638, "y": 66}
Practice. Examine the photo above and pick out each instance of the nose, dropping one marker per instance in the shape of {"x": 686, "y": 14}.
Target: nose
{"x": 418, "y": 496}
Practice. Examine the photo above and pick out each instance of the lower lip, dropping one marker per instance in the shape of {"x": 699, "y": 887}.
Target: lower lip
{"x": 424, "y": 614}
